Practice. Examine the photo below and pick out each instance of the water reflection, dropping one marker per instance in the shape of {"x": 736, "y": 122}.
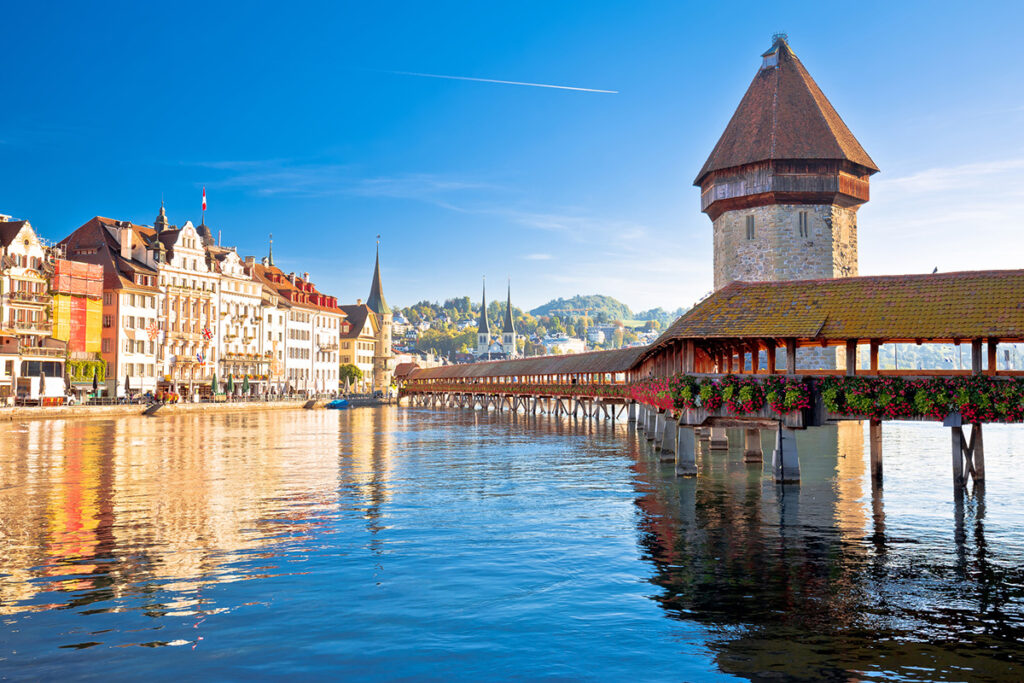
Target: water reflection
{"x": 96, "y": 510}
{"x": 806, "y": 582}
{"x": 413, "y": 543}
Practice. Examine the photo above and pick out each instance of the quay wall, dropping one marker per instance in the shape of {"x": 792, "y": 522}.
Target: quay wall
{"x": 9, "y": 414}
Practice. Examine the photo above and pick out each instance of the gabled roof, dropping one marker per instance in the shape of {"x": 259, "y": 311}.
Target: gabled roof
{"x": 118, "y": 272}
{"x": 906, "y": 308}
{"x": 9, "y": 230}
{"x": 618, "y": 360}
{"x": 784, "y": 115}
{"x": 274, "y": 277}
{"x": 356, "y": 316}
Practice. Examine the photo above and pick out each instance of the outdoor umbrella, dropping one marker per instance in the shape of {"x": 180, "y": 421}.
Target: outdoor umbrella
{"x": 95, "y": 383}
{"x": 245, "y": 385}
{"x": 231, "y": 384}
{"x": 127, "y": 384}
{"x": 213, "y": 384}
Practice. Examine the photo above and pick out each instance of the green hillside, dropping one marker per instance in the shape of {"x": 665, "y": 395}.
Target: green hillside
{"x": 594, "y": 306}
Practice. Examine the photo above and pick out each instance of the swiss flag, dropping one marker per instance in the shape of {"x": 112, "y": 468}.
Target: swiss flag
{"x": 204, "y": 198}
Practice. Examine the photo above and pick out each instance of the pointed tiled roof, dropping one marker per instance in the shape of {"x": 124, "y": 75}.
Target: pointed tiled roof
{"x": 483, "y": 327}
{"x": 509, "y": 326}
{"x": 376, "y": 300}
{"x": 784, "y": 115}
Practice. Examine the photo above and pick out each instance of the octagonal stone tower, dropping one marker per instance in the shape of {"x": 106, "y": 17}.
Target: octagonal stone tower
{"x": 783, "y": 184}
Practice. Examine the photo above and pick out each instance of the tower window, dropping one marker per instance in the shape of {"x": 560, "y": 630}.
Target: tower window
{"x": 750, "y": 227}
{"x": 802, "y": 220}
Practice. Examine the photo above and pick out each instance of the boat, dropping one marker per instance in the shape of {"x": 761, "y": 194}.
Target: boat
{"x": 338, "y": 404}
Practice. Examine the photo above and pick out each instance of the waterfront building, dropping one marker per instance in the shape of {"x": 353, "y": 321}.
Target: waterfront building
{"x": 191, "y": 292}
{"x": 131, "y": 300}
{"x": 358, "y": 342}
{"x": 312, "y": 327}
{"x": 31, "y": 361}
{"x": 242, "y": 350}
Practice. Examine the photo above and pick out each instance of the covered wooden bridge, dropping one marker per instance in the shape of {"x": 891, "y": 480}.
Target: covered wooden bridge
{"x": 589, "y": 384}
{"x": 787, "y": 355}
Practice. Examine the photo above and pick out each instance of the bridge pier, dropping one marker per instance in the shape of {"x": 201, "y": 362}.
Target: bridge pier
{"x": 632, "y": 413}
{"x": 668, "y": 440}
{"x": 686, "y": 452}
{"x": 659, "y": 430}
{"x": 785, "y": 459}
{"x": 875, "y": 443}
{"x": 968, "y": 456}
{"x": 719, "y": 439}
{"x": 650, "y": 425}
{"x": 752, "y": 445}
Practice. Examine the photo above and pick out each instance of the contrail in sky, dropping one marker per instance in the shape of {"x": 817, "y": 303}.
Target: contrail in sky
{"x": 492, "y": 80}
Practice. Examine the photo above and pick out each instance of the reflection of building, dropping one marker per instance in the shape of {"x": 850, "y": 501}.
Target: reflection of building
{"x": 88, "y": 514}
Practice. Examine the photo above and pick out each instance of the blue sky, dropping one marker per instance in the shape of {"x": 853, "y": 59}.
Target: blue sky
{"x": 292, "y": 117}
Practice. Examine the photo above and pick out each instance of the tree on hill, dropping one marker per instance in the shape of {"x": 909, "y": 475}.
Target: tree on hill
{"x": 593, "y": 305}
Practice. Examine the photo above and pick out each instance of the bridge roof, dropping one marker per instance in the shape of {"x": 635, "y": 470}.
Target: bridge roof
{"x": 935, "y": 307}
{"x": 618, "y": 360}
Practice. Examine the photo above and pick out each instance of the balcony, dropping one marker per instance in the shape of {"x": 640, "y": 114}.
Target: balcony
{"x": 32, "y": 326}
{"x": 329, "y": 347}
{"x": 37, "y": 351}
{"x": 29, "y": 298}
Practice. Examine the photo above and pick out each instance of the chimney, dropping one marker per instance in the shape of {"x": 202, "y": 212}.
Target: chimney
{"x": 359, "y": 302}
{"x": 125, "y": 237}
{"x": 305, "y": 276}
{"x": 250, "y": 260}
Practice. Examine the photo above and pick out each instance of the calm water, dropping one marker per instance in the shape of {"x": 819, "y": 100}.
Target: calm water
{"x": 408, "y": 544}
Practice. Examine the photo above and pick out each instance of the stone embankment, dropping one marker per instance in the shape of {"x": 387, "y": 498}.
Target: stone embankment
{"x": 8, "y": 414}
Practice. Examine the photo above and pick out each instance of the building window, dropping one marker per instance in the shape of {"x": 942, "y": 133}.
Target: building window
{"x": 802, "y": 220}
{"x": 107, "y": 299}
{"x": 750, "y": 227}
{"x": 106, "y": 346}
{"x": 108, "y": 321}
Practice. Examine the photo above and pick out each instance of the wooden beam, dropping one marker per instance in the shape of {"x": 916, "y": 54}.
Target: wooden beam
{"x": 771, "y": 347}
{"x": 791, "y": 356}
{"x": 874, "y": 355}
{"x": 992, "y": 360}
{"x": 976, "y": 356}
{"x": 851, "y": 357}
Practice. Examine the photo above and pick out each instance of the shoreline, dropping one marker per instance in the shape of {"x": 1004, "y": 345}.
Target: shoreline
{"x": 25, "y": 413}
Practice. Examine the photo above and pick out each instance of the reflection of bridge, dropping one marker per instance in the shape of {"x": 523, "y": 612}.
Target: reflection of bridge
{"x": 733, "y": 361}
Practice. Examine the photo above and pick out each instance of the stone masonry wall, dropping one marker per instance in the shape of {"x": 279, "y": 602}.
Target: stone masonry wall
{"x": 779, "y": 252}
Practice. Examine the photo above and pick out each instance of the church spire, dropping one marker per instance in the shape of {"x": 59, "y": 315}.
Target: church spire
{"x": 509, "y": 326}
{"x": 484, "y": 328}
{"x": 376, "y": 300}
{"x": 160, "y": 224}
{"x": 270, "y": 252}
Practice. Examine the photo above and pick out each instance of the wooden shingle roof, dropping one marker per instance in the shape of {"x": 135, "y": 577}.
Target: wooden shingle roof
{"x": 784, "y": 115}
{"x": 905, "y": 308}
{"x": 618, "y": 360}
